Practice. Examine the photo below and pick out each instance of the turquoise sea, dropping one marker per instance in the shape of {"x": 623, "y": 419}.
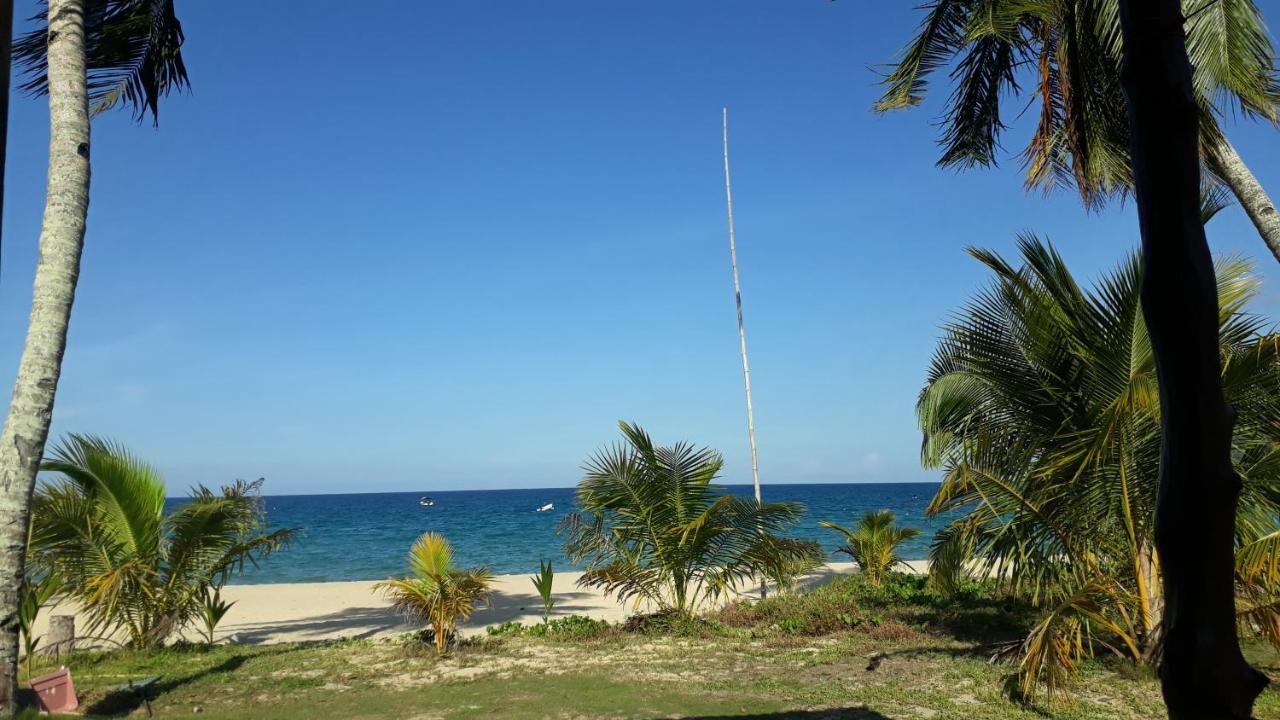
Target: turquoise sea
{"x": 366, "y": 536}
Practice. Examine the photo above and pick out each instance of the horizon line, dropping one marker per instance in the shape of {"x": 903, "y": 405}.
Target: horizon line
{"x": 568, "y": 487}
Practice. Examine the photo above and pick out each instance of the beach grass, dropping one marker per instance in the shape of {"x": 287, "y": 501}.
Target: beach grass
{"x": 713, "y": 670}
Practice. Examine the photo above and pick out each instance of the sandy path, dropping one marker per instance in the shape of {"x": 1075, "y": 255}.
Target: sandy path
{"x": 293, "y": 612}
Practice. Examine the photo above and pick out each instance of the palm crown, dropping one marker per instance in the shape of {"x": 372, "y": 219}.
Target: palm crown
{"x": 1043, "y": 409}
{"x": 1064, "y": 55}
{"x": 103, "y": 528}
{"x": 873, "y": 544}
{"x": 133, "y": 49}
{"x": 436, "y": 592}
{"x": 654, "y": 528}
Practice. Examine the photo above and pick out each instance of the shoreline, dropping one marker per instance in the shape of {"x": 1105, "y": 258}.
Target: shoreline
{"x": 350, "y": 609}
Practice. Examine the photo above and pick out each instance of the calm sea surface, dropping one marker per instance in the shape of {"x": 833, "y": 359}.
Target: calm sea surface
{"x": 366, "y": 537}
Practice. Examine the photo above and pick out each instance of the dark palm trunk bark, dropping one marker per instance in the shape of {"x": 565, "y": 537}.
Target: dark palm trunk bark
{"x": 1203, "y": 673}
{"x": 6, "y": 62}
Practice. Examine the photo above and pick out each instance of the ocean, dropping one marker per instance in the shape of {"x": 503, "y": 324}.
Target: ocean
{"x": 367, "y": 536}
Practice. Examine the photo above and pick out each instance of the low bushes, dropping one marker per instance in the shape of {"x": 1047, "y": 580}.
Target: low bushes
{"x": 572, "y": 627}
{"x": 897, "y": 608}
{"x": 900, "y": 608}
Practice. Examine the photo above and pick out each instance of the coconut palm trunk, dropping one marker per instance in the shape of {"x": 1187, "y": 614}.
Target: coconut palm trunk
{"x": 1203, "y": 673}
{"x": 6, "y": 62}
{"x": 61, "y": 241}
{"x": 1229, "y": 166}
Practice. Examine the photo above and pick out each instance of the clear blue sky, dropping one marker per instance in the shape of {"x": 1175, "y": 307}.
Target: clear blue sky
{"x": 450, "y": 244}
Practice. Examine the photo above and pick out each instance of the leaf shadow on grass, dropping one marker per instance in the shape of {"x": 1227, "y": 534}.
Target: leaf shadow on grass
{"x": 850, "y": 713}
{"x": 118, "y": 703}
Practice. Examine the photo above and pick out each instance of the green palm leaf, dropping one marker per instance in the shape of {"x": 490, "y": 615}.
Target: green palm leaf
{"x": 1064, "y": 57}
{"x": 654, "y": 528}
{"x": 133, "y": 49}
{"x": 1042, "y": 409}
{"x": 101, "y": 526}
{"x": 436, "y": 592}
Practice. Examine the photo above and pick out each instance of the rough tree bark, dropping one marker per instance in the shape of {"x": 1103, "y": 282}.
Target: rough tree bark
{"x": 1229, "y": 166}
{"x": 61, "y": 239}
{"x": 1202, "y": 671}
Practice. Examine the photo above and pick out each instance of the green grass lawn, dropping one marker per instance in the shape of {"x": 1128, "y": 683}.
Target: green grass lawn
{"x": 749, "y": 661}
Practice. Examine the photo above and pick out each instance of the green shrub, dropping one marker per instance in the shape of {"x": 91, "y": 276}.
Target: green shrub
{"x": 901, "y": 604}
{"x": 506, "y": 629}
{"x": 573, "y": 627}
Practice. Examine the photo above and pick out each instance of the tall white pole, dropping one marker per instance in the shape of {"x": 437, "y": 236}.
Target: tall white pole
{"x": 742, "y": 333}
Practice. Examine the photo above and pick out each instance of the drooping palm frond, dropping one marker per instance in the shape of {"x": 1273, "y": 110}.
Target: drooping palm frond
{"x": 654, "y": 528}
{"x": 1042, "y": 410}
{"x": 1214, "y": 198}
{"x": 133, "y": 49}
{"x": 941, "y": 35}
{"x": 1231, "y": 51}
{"x": 1063, "y": 636}
{"x": 128, "y": 491}
{"x": 1064, "y": 57}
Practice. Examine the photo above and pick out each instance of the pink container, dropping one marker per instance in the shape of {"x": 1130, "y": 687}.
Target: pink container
{"x": 55, "y": 691}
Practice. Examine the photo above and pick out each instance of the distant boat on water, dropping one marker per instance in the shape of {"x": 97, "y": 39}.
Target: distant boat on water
{"x": 426, "y": 502}
{"x": 546, "y": 508}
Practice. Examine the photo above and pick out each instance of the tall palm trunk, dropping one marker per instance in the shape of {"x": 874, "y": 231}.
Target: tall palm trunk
{"x": 61, "y": 241}
{"x": 1228, "y": 164}
{"x": 1203, "y": 674}
{"x": 6, "y": 62}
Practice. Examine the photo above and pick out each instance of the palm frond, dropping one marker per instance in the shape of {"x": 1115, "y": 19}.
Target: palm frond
{"x": 133, "y": 49}
{"x": 101, "y": 526}
{"x": 653, "y": 527}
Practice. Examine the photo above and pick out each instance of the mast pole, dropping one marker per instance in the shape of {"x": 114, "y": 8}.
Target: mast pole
{"x": 737, "y": 295}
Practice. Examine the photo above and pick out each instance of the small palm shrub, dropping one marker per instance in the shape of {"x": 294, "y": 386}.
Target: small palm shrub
{"x": 101, "y": 527}
{"x": 35, "y": 593}
{"x": 653, "y": 527}
{"x": 1042, "y": 409}
{"x": 436, "y": 592}
{"x": 212, "y": 609}
{"x": 542, "y": 582}
{"x": 874, "y": 543}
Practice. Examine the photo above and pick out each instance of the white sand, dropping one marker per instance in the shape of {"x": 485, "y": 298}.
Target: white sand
{"x": 294, "y": 612}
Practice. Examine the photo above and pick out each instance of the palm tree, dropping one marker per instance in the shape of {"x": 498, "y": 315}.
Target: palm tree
{"x": 126, "y": 50}
{"x": 102, "y": 528}
{"x": 1064, "y": 55}
{"x": 1203, "y": 671}
{"x": 652, "y": 527}
{"x": 1043, "y": 408}
{"x": 874, "y": 543}
{"x": 108, "y": 52}
{"x": 436, "y": 592}
{"x": 6, "y": 70}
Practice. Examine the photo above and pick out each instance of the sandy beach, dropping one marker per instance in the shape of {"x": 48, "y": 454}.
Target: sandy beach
{"x": 301, "y": 612}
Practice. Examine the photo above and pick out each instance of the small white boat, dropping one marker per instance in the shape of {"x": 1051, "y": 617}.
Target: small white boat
{"x": 546, "y": 508}
{"x": 426, "y": 502}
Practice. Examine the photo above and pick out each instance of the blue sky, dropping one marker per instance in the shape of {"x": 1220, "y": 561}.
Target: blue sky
{"x": 450, "y": 244}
